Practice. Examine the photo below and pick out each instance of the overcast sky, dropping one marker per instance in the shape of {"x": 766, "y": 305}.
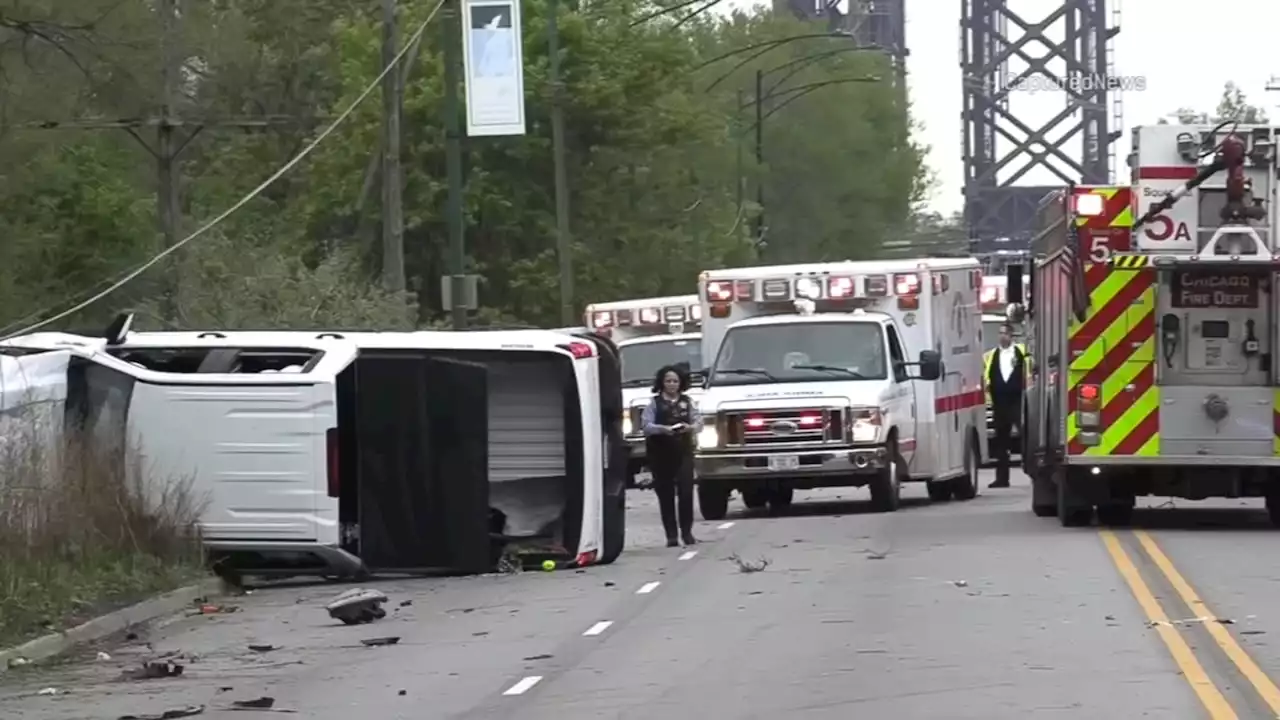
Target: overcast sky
{"x": 1158, "y": 44}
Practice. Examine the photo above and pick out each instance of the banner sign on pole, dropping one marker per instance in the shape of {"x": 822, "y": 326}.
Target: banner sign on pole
{"x": 493, "y": 67}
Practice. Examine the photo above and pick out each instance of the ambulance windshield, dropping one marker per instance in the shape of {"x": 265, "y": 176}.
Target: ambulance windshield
{"x": 801, "y": 352}
{"x": 641, "y": 360}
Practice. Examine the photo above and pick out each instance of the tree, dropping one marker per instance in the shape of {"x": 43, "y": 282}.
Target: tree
{"x": 1232, "y": 106}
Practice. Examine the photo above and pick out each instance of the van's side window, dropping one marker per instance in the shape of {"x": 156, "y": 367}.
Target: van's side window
{"x": 896, "y": 356}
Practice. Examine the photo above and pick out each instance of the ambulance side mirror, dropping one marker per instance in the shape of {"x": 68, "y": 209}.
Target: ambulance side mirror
{"x": 698, "y": 378}
{"x": 930, "y": 365}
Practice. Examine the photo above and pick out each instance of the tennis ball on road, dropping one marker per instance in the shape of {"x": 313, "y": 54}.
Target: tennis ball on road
{"x": 548, "y": 565}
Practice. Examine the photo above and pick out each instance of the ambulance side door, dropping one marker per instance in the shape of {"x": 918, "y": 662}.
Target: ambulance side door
{"x": 902, "y": 397}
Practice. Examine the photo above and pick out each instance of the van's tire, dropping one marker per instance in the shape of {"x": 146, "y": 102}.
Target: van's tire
{"x": 966, "y": 486}
{"x": 886, "y": 486}
{"x": 780, "y": 500}
{"x": 940, "y": 491}
{"x": 755, "y": 499}
{"x": 615, "y": 527}
{"x": 713, "y": 500}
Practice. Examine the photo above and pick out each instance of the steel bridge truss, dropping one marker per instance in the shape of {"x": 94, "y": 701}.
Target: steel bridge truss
{"x": 999, "y": 212}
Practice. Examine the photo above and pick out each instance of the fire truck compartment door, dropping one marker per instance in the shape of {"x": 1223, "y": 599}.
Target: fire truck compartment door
{"x": 1216, "y": 421}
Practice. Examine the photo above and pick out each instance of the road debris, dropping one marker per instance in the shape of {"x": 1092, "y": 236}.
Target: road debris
{"x": 155, "y": 670}
{"x": 378, "y": 642}
{"x": 357, "y": 606}
{"x": 960, "y": 583}
{"x": 18, "y": 662}
{"x": 1190, "y": 621}
{"x": 103, "y": 656}
{"x": 171, "y": 714}
{"x": 262, "y": 703}
{"x": 263, "y": 648}
{"x": 747, "y": 566}
{"x": 48, "y": 691}
{"x": 215, "y": 609}
{"x": 531, "y": 658}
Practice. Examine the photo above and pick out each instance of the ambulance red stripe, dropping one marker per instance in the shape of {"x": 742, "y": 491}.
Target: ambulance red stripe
{"x": 963, "y": 401}
{"x": 1166, "y": 172}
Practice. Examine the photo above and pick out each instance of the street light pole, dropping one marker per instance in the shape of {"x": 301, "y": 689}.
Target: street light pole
{"x": 564, "y": 242}
{"x": 760, "y": 158}
{"x": 453, "y": 160}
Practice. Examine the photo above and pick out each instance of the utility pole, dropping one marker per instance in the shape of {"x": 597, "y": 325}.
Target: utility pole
{"x": 739, "y": 179}
{"x": 760, "y": 226}
{"x": 452, "y": 29}
{"x": 392, "y": 180}
{"x": 173, "y": 134}
{"x": 564, "y": 242}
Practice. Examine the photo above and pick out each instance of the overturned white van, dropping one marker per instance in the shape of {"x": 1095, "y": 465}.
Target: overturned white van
{"x": 351, "y": 452}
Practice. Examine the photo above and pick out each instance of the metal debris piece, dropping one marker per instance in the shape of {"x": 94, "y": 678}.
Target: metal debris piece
{"x": 154, "y": 670}
{"x": 358, "y": 606}
{"x": 262, "y": 703}
{"x": 172, "y": 714}
{"x": 747, "y": 566}
{"x": 378, "y": 642}
{"x": 263, "y": 648}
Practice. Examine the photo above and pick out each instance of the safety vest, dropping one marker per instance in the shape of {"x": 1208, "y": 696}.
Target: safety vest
{"x": 990, "y": 357}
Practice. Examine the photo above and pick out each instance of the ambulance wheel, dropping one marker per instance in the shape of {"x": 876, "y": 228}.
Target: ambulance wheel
{"x": 940, "y": 491}
{"x": 755, "y": 499}
{"x": 615, "y": 527}
{"x": 780, "y": 500}
{"x": 886, "y": 488}
{"x": 965, "y": 487}
{"x": 713, "y": 500}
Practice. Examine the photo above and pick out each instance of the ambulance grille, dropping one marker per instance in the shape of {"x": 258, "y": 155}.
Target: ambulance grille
{"x": 770, "y": 428}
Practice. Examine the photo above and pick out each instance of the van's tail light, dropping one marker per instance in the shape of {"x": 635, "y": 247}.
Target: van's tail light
{"x": 1089, "y": 407}
{"x": 579, "y": 350}
{"x": 332, "y": 464}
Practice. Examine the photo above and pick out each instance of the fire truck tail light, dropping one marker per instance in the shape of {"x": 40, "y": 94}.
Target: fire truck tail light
{"x": 718, "y": 290}
{"x": 877, "y": 286}
{"x": 601, "y": 320}
{"x": 1089, "y": 204}
{"x": 840, "y": 287}
{"x": 650, "y": 316}
{"x": 1089, "y": 401}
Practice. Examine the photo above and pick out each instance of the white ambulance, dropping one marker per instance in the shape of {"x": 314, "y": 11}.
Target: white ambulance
{"x": 650, "y": 333}
{"x": 341, "y": 453}
{"x": 812, "y": 386}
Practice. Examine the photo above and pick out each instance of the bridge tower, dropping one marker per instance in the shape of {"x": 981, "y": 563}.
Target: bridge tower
{"x": 1070, "y": 47}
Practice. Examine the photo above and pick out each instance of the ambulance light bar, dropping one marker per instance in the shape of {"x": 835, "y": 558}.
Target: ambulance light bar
{"x": 651, "y": 316}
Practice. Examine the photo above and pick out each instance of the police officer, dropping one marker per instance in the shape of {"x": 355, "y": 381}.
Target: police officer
{"x": 671, "y": 422}
{"x": 1005, "y": 373}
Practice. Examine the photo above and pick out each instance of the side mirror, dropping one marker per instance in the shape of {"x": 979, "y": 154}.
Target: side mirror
{"x": 699, "y": 378}
{"x": 930, "y": 365}
{"x": 1015, "y": 313}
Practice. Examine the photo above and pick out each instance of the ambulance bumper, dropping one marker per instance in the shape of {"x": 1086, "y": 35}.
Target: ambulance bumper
{"x": 799, "y": 464}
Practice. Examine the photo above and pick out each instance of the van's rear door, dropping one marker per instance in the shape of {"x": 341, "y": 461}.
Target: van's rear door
{"x": 422, "y": 462}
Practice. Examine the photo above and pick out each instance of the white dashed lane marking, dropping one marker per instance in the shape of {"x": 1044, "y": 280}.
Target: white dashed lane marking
{"x": 524, "y": 685}
{"x": 648, "y": 588}
{"x": 598, "y": 628}
{"x": 724, "y": 526}
{"x": 689, "y": 555}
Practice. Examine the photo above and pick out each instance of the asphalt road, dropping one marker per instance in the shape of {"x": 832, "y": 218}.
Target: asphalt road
{"x": 947, "y": 611}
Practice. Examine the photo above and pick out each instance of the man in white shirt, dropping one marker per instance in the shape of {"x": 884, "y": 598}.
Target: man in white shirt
{"x": 1006, "y": 375}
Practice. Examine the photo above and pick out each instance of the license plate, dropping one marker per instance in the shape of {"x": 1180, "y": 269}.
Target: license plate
{"x": 784, "y": 462}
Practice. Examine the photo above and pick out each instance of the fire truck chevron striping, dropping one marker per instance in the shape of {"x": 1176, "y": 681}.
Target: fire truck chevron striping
{"x": 1117, "y": 209}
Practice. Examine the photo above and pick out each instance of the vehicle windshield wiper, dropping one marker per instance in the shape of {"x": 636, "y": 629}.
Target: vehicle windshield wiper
{"x": 746, "y": 371}
{"x": 831, "y": 368}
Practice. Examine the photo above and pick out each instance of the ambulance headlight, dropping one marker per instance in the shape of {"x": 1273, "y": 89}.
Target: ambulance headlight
{"x": 708, "y": 438}
{"x": 627, "y": 427}
{"x": 864, "y": 425}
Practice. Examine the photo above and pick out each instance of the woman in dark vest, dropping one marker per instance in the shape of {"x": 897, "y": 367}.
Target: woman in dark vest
{"x": 671, "y": 422}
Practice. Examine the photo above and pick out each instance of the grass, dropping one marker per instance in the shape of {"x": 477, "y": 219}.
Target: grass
{"x": 83, "y": 528}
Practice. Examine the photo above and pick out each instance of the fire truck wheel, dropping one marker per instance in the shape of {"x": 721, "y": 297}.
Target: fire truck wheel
{"x": 713, "y": 500}
{"x": 1044, "y": 497}
{"x": 1071, "y": 511}
{"x": 780, "y": 499}
{"x": 1273, "y": 509}
{"x": 965, "y": 487}
{"x": 755, "y": 499}
{"x": 886, "y": 487}
{"x": 1115, "y": 515}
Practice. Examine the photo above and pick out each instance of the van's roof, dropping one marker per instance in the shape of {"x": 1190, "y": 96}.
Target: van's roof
{"x": 874, "y": 316}
{"x": 318, "y": 340}
{"x": 649, "y": 339}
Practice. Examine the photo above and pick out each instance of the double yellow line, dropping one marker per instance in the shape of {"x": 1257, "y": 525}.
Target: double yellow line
{"x": 1210, "y": 696}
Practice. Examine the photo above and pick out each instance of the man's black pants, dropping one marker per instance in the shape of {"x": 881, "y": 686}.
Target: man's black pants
{"x": 673, "y": 483}
{"x": 1006, "y": 413}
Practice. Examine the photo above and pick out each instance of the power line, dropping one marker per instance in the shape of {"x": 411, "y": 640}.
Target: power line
{"x": 129, "y": 277}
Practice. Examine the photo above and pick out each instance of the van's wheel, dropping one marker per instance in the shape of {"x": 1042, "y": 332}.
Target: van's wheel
{"x": 780, "y": 500}
{"x": 886, "y": 488}
{"x": 615, "y": 528}
{"x": 713, "y": 500}
{"x": 755, "y": 499}
{"x": 965, "y": 487}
